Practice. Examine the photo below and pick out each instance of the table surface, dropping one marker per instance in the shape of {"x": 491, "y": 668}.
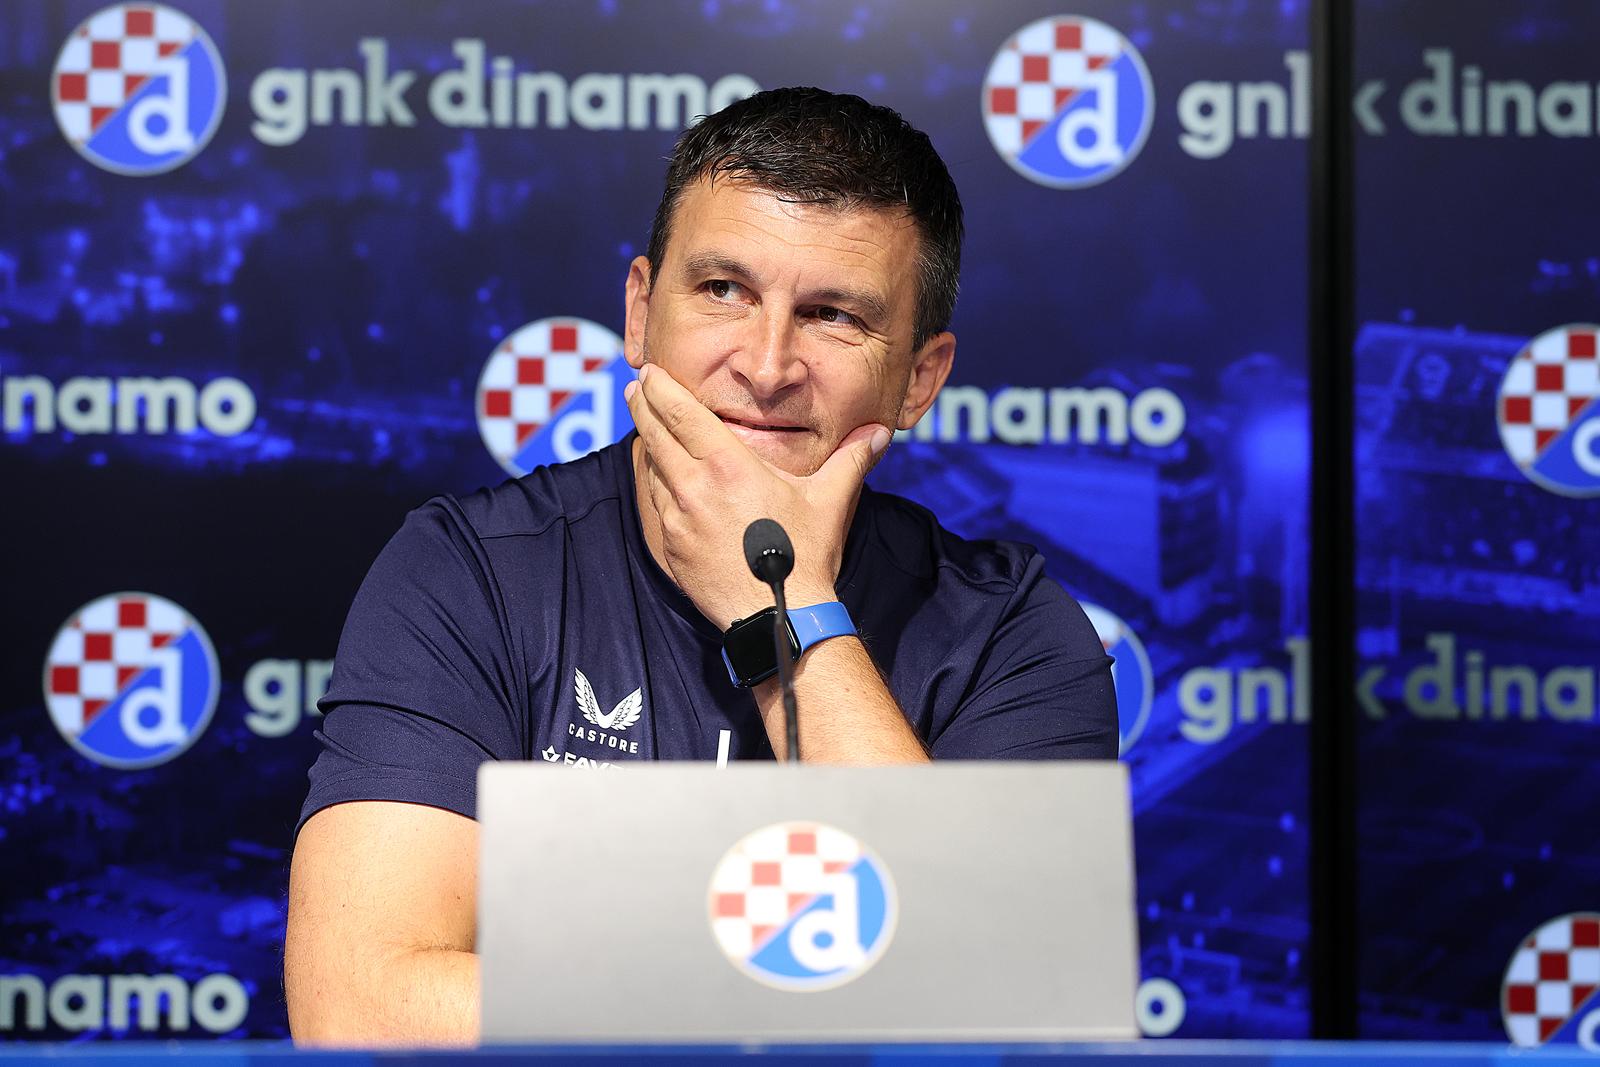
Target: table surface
{"x": 1148, "y": 1053}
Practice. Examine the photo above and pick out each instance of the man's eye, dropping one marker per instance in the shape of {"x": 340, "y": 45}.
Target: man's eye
{"x": 722, "y": 289}
{"x": 833, "y": 314}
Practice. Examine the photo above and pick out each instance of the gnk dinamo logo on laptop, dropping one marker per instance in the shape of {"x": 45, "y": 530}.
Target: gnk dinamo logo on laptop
{"x": 1551, "y": 991}
{"x": 802, "y": 906}
{"x": 551, "y": 392}
{"x": 1068, "y": 102}
{"x": 1549, "y": 410}
{"x": 138, "y": 89}
{"x": 131, "y": 680}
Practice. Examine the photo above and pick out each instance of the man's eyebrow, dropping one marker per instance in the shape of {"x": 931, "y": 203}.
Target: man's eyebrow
{"x": 702, "y": 264}
{"x": 867, "y": 304}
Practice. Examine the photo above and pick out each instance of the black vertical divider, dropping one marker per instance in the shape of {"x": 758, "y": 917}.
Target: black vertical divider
{"x": 1334, "y": 944}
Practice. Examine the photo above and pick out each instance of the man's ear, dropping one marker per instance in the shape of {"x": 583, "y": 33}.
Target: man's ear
{"x": 636, "y": 309}
{"x": 930, "y": 366}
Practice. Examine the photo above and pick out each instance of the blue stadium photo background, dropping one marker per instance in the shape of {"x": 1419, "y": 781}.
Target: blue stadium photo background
{"x": 231, "y": 362}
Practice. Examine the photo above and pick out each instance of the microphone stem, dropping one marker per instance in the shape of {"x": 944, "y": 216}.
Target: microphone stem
{"x": 780, "y": 643}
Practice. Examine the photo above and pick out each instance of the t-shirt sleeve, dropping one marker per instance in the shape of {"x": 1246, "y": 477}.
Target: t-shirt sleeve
{"x": 422, "y": 682}
{"x": 1042, "y": 689}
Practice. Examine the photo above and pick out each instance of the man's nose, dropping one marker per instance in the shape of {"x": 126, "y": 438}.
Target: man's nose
{"x": 769, "y": 361}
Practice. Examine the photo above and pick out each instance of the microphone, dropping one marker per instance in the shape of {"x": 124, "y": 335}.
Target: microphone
{"x": 768, "y": 551}
{"x": 770, "y": 554}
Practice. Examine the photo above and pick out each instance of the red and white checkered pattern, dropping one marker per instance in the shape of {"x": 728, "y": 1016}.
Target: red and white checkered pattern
{"x": 1547, "y": 385}
{"x": 109, "y": 57}
{"x": 103, "y": 648}
{"x": 1552, "y": 974}
{"x": 769, "y": 877}
{"x": 1038, "y": 72}
{"x": 534, "y": 372}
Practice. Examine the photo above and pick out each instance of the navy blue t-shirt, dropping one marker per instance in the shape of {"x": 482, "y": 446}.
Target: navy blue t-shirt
{"x": 530, "y": 622}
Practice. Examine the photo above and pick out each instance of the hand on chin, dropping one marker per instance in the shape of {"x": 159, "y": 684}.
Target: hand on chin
{"x": 710, "y": 477}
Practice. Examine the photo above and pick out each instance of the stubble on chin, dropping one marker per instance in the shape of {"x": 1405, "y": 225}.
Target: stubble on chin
{"x": 798, "y": 465}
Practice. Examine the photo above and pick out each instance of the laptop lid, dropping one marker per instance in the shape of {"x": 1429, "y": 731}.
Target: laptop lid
{"x": 682, "y": 902}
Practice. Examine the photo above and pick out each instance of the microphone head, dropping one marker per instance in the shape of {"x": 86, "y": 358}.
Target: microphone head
{"x": 767, "y": 550}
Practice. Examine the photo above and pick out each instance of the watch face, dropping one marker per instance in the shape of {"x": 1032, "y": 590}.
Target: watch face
{"x": 749, "y": 646}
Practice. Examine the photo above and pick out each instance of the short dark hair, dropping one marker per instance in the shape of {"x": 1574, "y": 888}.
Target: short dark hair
{"x": 817, "y": 147}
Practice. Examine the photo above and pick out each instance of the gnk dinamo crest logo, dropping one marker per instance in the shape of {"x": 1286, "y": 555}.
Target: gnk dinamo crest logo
{"x": 1068, "y": 102}
{"x": 138, "y": 89}
{"x": 1549, "y": 410}
{"x": 131, "y": 680}
{"x": 802, "y": 906}
{"x": 1551, "y": 991}
{"x": 551, "y": 392}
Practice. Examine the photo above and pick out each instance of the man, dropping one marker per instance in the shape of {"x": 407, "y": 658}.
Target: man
{"x": 791, "y": 313}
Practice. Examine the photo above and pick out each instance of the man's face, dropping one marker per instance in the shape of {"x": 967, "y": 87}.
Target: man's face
{"x": 791, "y": 322}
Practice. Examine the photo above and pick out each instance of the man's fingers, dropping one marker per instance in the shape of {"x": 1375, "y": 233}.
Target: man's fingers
{"x": 695, "y": 428}
{"x": 845, "y": 470}
{"x": 658, "y": 440}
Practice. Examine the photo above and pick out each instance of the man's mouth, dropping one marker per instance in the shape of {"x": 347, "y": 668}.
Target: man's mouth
{"x": 760, "y": 425}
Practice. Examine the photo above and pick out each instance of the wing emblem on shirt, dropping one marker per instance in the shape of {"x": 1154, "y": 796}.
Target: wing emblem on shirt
{"x": 624, "y": 715}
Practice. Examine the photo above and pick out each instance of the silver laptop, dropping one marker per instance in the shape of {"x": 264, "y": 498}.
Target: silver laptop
{"x": 686, "y": 902}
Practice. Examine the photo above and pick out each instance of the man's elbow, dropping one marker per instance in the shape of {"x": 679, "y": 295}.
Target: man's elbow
{"x": 410, "y": 998}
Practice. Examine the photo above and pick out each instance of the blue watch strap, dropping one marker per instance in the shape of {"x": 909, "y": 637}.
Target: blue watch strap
{"x": 820, "y": 622}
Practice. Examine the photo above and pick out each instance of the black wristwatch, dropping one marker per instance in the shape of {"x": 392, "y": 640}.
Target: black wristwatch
{"x": 747, "y": 646}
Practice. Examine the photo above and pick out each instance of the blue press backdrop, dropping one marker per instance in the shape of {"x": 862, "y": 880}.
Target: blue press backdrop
{"x": 1479, "y": 586}
{"x": 355, "y": 279}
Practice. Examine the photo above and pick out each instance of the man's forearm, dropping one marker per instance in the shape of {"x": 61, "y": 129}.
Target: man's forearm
{"x": 846, "y": 713}
{"x": 418, "y": 997}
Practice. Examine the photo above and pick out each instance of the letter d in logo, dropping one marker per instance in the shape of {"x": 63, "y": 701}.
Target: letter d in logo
{"x": 828, "y": 939}
{"x": 1087, "y": 136}
{"x": 158, "y": 123}
{"x": 150, "y": 714}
